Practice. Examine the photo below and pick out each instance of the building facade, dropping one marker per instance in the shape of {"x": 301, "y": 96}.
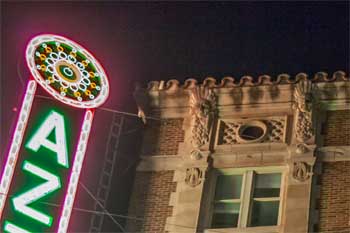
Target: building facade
{"x": 244, "y": 156}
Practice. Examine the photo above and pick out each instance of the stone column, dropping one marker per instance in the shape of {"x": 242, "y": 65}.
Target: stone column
{"x": 301, "y": 161}
{"x": 195, "y": 152}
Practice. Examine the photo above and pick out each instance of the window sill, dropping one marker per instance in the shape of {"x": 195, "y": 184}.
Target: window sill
{"x": 269, "y": 229}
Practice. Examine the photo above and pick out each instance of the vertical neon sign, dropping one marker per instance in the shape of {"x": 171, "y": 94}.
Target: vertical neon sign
{"x": 48, "y": 147}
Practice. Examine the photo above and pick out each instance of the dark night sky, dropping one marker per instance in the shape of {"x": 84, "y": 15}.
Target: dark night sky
{"x": 153, "y": 41}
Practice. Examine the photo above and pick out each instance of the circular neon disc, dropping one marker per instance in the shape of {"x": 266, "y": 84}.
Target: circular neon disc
{"x": 67, "y": 71}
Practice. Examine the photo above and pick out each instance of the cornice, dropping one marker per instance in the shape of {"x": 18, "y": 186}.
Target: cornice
{"x": 171, "y": 98}
{"x": 174, "y": 85}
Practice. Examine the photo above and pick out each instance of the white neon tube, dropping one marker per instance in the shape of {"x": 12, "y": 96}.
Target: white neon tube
{"x": 16, "y": 143}
{"x": 76, "y": 169}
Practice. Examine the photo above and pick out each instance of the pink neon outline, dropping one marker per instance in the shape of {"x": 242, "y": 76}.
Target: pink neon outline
{"x": 76, "y": 104}
{"x": 88, "y": 121}
{"x": 24, "y": 127}
{"x": 65, "y": 227}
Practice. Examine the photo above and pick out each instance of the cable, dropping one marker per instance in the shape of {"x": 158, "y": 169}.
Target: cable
{"x": 142, "y": 219}
{"x": 104, "y": 209}
{"x": 93, "y": 211}
{"x": 86, "y": 210}
{"x": 19, "y": 73}
{"x": 124, "y": 216}
{"x": 126, "y": 113}
{"x": 110, "y": 215}
{"x": 107, "y": 109}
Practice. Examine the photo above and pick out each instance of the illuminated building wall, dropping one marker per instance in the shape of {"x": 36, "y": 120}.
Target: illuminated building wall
{"x": 270, "y": 155}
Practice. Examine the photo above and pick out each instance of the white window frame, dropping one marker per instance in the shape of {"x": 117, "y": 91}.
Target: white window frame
{"x": 246, "y": 198}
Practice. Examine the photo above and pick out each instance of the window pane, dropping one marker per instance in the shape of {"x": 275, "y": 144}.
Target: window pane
{"x": 267, "y": 185}
{"x": 228, "y": 187}
{"x": 225, "y": 215}
{"x": 264, "y": 213}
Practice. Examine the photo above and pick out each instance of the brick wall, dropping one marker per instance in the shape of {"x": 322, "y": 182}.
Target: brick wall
{"x": 337, "y": 128}
{"x": 334, "y": 204}
{"x": 150, "y": 201}
{"x": 163, "y": 137}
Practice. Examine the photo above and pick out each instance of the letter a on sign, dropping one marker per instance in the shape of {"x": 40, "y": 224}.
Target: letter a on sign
{"x": 54, "y": 122}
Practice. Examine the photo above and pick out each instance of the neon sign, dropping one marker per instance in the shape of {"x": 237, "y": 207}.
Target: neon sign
{"x": 48, "y": 147}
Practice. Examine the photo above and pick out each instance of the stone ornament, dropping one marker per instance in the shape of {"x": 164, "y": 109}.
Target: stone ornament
{"x": 194, "y": 176}
{"x": 200, "y": 134}
{"x": 196, "y": 155}
{"x": 301, "y": 148}
{"x": 301, "y": 171}
{"x": 202, "y": 105}
{"x": 303, "y": 95}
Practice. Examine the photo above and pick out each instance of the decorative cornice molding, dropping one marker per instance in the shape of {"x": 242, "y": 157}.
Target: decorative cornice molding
{"x": 244, "y": 96}
{"x": 174, "y": 85}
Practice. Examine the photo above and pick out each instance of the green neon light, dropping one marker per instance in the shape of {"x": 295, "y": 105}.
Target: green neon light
{"x": 36, "y": 149}
{"x": 54, "y": 122}
{"x": 12, "y": 228}
{"x": 22, "y": 201}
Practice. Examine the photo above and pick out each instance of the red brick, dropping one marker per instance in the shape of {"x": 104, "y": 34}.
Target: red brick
{"x": 334, "y": 204}
{"x": 150, "y": 201}
{"x": 163, "y": 137}
{"x": 337, "y": 128}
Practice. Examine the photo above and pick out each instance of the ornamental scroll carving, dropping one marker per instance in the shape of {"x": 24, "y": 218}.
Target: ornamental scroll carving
{"x": 301, "y": 171}
{"x": 202, "y": 106}
{"x": 194, "y": 176}
{"x": 303, "y": 95}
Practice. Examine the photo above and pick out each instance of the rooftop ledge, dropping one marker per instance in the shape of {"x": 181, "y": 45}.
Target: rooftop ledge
{"x": 263, "y": 92}
{"x": 228, "y": 82}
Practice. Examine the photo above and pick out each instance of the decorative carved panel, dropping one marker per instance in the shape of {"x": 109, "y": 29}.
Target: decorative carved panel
{"x": 272, "y": 130}
{"x": 301, "y": 171}
{"x": 194, "y": 176}
{"x": 304, "y": 99}
{"x": 202, "y": 108}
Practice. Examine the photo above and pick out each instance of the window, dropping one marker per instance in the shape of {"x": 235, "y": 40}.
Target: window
{"x": 246, "y": 198}
{"x": 251, "y": 132}
{"x": 227, "y": 201}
